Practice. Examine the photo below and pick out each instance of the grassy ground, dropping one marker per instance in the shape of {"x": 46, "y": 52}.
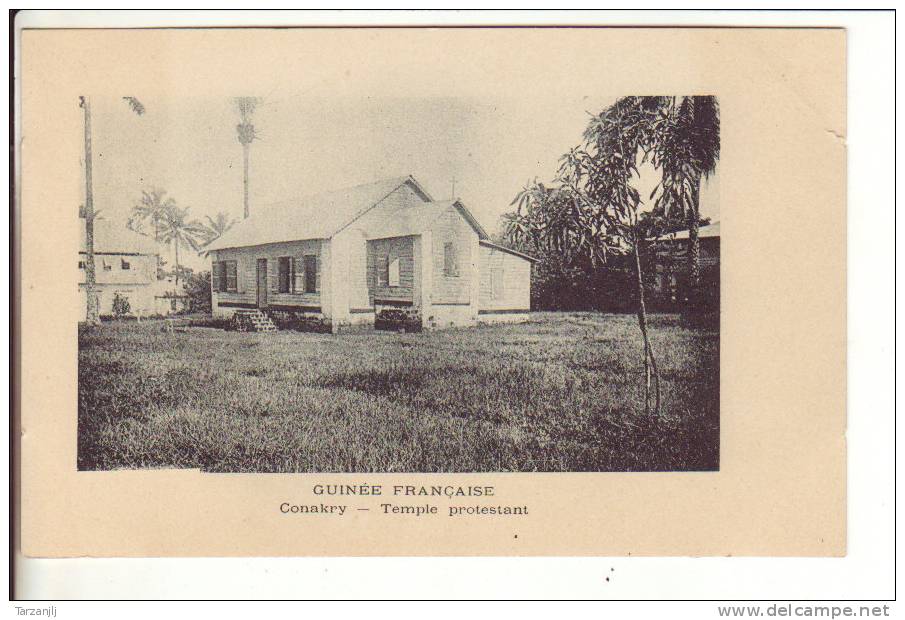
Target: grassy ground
{"x": 561, "y": 393}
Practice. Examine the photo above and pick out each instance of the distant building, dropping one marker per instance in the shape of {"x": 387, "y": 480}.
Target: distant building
{"x": 125, "y": 264}
{"x": 348, "y": 255}
{"x": 670, "y": 273}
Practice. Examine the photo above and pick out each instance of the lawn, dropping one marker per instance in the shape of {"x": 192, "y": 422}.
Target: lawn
{"x": 560, "y": 393}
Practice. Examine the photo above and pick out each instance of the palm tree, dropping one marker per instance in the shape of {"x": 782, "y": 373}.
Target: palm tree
{"x": 246, "y": 134}
{"x": 181, "y": 232}
{"x": 153, "y": 208}
{"x": 684, "y": 142}
{"x": 92, "y": 313}
{"x": 218, "y": 225}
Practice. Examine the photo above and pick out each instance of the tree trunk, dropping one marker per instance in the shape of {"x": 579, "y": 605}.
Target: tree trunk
{"x": 92, "y": 312}
{"x": 650, "y": 362}
{"x": 245, "y": 148}
{"x": 694, "y": 244}
{"x": 176, "y": 259}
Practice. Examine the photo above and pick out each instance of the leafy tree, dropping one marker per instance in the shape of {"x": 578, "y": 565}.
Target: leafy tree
{"x": 592, "y": 210}
{"x": 198, "y": 290}
{"x": 592, "y": 213}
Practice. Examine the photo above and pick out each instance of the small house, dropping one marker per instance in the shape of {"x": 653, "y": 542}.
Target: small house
{"x": 670, "y": 283}
{"x": 353, "y": 255}
{"x": 125, "y": 265}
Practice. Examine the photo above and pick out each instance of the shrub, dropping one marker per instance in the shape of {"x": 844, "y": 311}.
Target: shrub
{"x": 398, "y": 319}
{"x": 301, "y": 321}
{"x": 198, "y": 291}
{"x": 121, "y": 305}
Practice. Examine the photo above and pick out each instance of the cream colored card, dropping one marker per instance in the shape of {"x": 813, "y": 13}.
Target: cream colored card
{"x": 326, "y": 444}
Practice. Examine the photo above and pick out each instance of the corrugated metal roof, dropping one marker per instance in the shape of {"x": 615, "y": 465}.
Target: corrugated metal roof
{"x": 319, "y": 216}
{"x": 115, "y": 238}
{"x": 711, "y": 230}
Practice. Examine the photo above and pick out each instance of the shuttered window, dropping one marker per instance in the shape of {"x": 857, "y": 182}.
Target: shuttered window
{"x": 450, "y": 260}
{"x": 285, "y": 274}
{"x": 215, "y": 276}
{"x": 310, "y": 274}
{"x": 393, "y": 273}
{"x": 298, "y": 275}
{"x": 124, "y": 264}
{"x": 383, "y": 270}
{"x": 230, "y": 280}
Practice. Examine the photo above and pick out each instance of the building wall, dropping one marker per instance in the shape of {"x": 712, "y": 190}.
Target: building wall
{"x": 135, "y": 283}
{"x": 401, "y": 248}
{"x": 514, "y": 275}
{"x": 225, "y": 303}
{"x": 108, "y": 268}
{"x": 141, "y": 299}
{"x": 447, "y": 300}
{"x": 451, "y": 227}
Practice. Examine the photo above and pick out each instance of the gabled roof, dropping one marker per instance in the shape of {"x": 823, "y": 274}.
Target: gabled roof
{"x": 112, "y": 238}
{"x": 319, "y": 216}
{"x": 413, "y": 220}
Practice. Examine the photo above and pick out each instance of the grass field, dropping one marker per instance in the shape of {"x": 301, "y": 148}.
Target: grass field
{"x": 561, "y": 393}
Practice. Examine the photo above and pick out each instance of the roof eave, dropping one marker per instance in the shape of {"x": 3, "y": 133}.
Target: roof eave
{"x": 503, "y": 248}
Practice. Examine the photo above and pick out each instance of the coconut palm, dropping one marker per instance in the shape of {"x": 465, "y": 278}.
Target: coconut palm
{"x": 151, "y": 209}
{"x": 246, "y": 134}
{"x": 92, "y": 314}
{"x": 177, "y": 229}
{"x": 218, "y": 225}
{"x": 215, "y": 227}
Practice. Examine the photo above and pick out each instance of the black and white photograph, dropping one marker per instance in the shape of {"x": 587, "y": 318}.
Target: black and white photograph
{"x": 274, "y": 282}
{"x": 397, "y": 305}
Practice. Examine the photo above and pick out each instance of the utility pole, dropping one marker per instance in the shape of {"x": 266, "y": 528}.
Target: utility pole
{"x": 92, "y": 314}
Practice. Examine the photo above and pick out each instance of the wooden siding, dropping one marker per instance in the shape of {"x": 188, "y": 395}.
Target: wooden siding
{"x": 451, "y": 227}
{"x": 515, "y": 273}
{"x": 396, "y": 247}
{"x": 246, "y": 273}
{"x": 359, "y": 293}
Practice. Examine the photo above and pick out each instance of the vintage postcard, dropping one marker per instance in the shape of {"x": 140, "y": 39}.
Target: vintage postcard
{"x": 419, "y": 291}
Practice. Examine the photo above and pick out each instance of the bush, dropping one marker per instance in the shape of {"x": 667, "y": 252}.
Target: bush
{"x": 398, "y": 319}
{"x": 121, "y": 306}
{"x": 198, "y": 291}
{"x": 301, "y": 321}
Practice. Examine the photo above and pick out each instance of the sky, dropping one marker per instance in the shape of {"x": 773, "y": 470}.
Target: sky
{"x": 187, "y": 146}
